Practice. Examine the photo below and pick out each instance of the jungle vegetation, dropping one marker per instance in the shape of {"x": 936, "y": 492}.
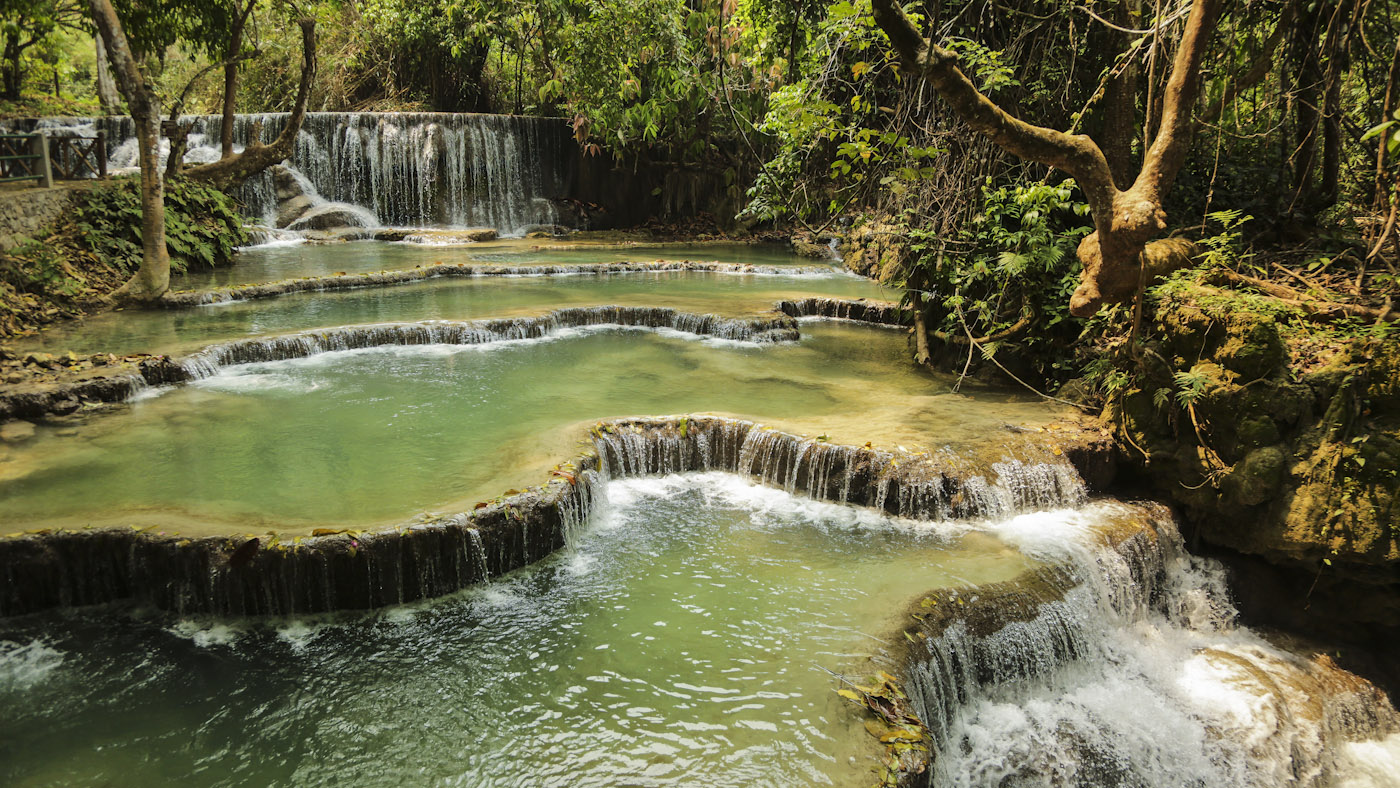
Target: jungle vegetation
{"x": 1007, "y": 143}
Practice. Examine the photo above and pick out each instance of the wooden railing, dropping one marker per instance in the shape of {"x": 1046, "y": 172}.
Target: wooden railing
{"x": 41, "y": 158}
{"x": 73, "y": 158}
{"x": 25, "y": 157}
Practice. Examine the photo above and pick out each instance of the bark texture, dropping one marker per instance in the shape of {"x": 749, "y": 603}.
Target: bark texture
{"x": 1125, "y": 220}
{"x": 231, "y": 171}
{"x": 153, "y": 278}
{"x": 107, "y": 94}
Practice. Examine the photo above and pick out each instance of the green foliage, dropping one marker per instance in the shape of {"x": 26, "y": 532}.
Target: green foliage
{"x": 202, "y": 225}
{"x": 1224, "y": 249}
{"x": 38, "y": 266}
{"x": 1021, "y": 264}
{"x": 1190, "y": 385}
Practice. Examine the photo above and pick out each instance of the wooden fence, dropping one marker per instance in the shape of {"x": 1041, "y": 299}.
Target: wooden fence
{"x": 43, "y": 159}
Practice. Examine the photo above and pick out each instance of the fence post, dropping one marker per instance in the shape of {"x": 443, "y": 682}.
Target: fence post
{"x": 101, "y": 154}
{"x": 43, "y": 165}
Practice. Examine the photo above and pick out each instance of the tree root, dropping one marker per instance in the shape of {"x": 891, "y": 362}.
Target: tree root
{"x": 1313, "y": 307}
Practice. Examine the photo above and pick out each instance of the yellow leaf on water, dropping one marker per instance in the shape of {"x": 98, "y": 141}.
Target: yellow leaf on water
{"x": 845, "y": 693}
{"x": 903, "y": 734}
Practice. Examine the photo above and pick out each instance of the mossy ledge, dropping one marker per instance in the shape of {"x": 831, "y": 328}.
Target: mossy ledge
{"x": 192, "y": 298}
{"x": 429, "y": 557}
{"x": 120, "y": 381}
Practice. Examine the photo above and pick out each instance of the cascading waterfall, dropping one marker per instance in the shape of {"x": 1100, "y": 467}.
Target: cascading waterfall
{"x": 1119, "y": 662}
{"x": 412, "y": 169}
{"x": 885, "y": 313}
{"x": 433, "y": 556}
{"x": 210, "y": 361}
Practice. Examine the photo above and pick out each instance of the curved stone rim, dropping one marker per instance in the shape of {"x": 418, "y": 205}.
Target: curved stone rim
{"x": 184, "y": 299}
{"x": 431, "y": 557}
{"x": 777, "y": 326}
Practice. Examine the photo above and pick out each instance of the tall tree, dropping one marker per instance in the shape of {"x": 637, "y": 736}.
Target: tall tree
{"x": 1120, "y": 254}
{"x": 153, "y": 278}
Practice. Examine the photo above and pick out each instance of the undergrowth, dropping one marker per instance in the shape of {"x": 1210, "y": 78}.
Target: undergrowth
{"x": 97, "y": 246}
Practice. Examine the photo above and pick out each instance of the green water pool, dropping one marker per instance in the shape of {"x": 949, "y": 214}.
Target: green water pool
{"x": 685, "y": 641}
{"x": 369, "y": 437}
{"x": 171, "y": 331}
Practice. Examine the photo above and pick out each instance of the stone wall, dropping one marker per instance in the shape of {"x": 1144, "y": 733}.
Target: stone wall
{"x": 24, "y": 211}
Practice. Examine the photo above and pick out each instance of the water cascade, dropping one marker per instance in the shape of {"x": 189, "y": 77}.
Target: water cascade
{"x": 414, "y": 169}
{"x": 430, "y": 557}
{"x": 884, "y": 313}
{"x": 1118, "y": 661}
{"x": 225, "y": 295}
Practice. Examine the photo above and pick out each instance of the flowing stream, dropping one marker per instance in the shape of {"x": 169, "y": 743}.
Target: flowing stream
{"x": 679, "y": 625}
{"x": 681, "y": 642}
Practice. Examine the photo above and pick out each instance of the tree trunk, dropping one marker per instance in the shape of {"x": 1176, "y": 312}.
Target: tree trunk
{"x": 13, "y": 77}
{"x": 235, "y": 45}
{"x": 153, "y": 278}
{"x": 1305, "y": 111}
{"x": 229, "y": 172}
{"x": 1120, "y": 103}
{"x": 106, "y": 89}
{"x": 1124, "y": 220}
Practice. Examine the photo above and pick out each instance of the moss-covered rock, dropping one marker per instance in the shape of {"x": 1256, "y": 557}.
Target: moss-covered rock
{"x": 877, "y": 250}
{"x": 1265, "y": 455}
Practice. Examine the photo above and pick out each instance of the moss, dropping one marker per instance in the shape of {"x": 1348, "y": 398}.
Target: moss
{"x": 1257, "y": 431}
{"x": 1257, "y": 478}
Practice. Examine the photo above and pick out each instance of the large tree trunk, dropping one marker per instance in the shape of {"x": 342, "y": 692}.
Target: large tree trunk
{"x": 153, "y": 278}
{"x": 227, "y": 173}
{"x": 1125, "y": 220}
{"x": 106, "y": 89}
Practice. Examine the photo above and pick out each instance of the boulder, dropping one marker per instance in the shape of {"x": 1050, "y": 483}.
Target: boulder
{"x": 292, "y": 209}
{"x": 333, "y": 215}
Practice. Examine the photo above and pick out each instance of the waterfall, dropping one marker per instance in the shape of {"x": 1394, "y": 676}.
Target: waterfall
{"x": 900, "y": 484}
{"x": 1118, "y": 661}
{"x": 885, "y": 313}
{"x": 432, "y": 556}
{"x": 211, "y": 360}
{"x": 413, "y": 169}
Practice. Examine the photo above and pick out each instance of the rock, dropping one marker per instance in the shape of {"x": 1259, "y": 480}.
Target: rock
{"x": 545, "y": 231}
{"x": 1256, "y": 479}
{"x": 436, "y": 237}
{"x": 16, "y": 432}
{"x": 391, "y": 233}
{"x": 811, "y": 250}
{"x": 333, "y": 215}
{"x": 286, "y": 184}
{"x": 291, "y": 209}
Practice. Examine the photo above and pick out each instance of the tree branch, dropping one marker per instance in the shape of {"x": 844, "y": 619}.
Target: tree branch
{"x": 228, "y": 173}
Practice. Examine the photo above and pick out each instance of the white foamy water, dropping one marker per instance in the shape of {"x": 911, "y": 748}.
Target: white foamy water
{"x": 26, "y": 665}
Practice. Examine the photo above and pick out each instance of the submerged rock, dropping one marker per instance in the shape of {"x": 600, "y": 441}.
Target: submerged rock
{"x": 16, "y": 432}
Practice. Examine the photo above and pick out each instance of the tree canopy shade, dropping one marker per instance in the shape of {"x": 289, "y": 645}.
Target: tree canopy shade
{"x": 1124, "y": 219}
